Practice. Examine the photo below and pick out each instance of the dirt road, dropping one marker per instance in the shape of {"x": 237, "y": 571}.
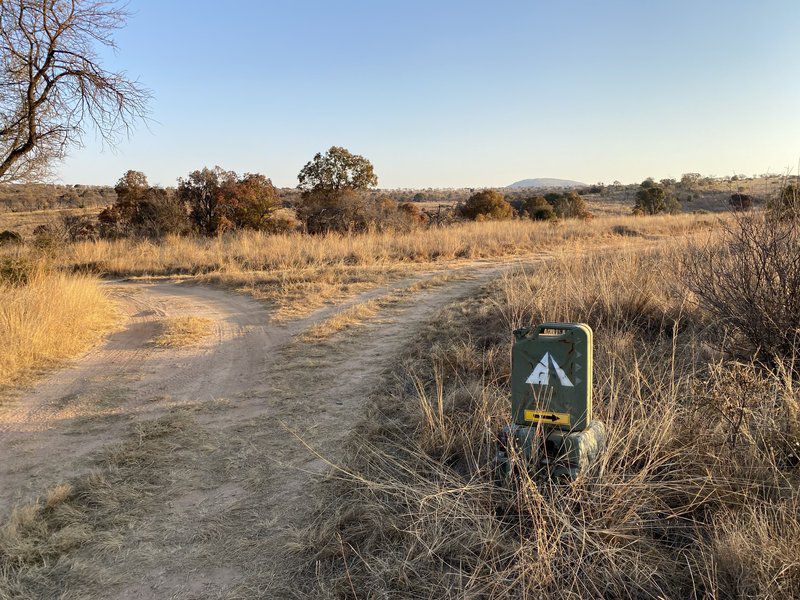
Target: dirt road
{"x": 190, "y": 464}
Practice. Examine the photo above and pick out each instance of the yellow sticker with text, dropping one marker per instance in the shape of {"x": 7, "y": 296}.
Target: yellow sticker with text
{"x": 546, "y": 417}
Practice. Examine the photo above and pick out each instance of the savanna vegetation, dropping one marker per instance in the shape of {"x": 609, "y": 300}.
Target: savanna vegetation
{"x": 697, "y": 494}
{"x": 696, "y": 331}
{"x": 696, "y": 320}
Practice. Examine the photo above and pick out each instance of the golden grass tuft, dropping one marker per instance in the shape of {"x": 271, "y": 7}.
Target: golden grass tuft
{"x": 179, "y": 332}
{"x": 47, "y": 316}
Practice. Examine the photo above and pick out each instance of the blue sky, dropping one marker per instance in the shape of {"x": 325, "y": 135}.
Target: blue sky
{"x": 460, "y": 93}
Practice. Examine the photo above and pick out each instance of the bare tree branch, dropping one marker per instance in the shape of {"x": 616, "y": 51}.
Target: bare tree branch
{"x": 52, "y": 85}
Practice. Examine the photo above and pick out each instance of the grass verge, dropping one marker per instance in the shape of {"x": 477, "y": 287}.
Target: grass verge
{"x": 47, "y": 316}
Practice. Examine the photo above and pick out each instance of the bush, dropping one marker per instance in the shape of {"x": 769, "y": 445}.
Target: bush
{"x": 249, "y": 201}
{"x": 350, "y": 210}
{"x": 333, "y": 210}
{"x": 10, "y": 237}
{"x": 142, "y": 211}
{"x": 673, "y": 205}
{"x": 80, "y": 228}
{"x": 201, "y": 192}
{"x": 53, "y": 234}
{"x": 220, "y": 200}
{"x": 537, "y": 208}
{"x": 741, "y": 202}
{"x": 650, "y": 200}
{"x": 412, "y": 213}
{"x": 751, "y": 286}
{"x": 568, "y": 205}
{"x": 283, "y": 220}
{"x": 787, "y": 203}
{"x": 486, "y": 205}
{"x": 160, "y": 214}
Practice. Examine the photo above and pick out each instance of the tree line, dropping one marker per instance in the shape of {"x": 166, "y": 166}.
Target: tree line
{"x": 336, "y": 193}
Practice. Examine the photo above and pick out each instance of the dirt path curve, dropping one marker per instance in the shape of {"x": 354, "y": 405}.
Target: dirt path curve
{"x": 235, "y": 480}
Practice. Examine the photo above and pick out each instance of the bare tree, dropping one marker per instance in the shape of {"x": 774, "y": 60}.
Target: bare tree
{"x": 52, "y": 85}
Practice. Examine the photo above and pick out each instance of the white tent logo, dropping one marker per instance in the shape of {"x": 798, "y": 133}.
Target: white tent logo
{"x": 541, "y": 373}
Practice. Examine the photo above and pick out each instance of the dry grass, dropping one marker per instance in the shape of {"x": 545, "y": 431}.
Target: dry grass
{"x": 47, "y": 316}
{"x": 179, "y": 332}
{"x": 294, "y": 293}
{"x": 414, "y": 512}
{"x": 688, "y": 501}
{"x": 41, "y": 542}
{"x": 25, "y": 222}
{"x": 354, "y": 316}
{"x": 298, "y": 273}
{"x": 257, "y": 252}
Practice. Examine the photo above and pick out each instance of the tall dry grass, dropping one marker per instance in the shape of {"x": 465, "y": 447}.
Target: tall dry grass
{"x": 696, "y": 495}
{"x": 254, "y": 251}
{"x": 47, "y": 316}
{"x": 298, "y": 273}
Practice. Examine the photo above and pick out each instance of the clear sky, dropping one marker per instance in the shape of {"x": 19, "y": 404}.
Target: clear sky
{"x": 460, "y": 93}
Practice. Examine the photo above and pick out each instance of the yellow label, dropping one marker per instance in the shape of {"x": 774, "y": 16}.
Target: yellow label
{"x": 546, "y": 417}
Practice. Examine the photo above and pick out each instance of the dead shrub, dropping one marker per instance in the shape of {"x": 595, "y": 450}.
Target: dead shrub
{"x": 750, "y": 284}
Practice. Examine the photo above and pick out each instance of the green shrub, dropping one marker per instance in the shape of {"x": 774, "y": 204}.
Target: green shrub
{"x": 537, "y": 208}
{"x": 486, "y": 205}
{"x": 569, "y": 205}
{"x": 652, "y": 199}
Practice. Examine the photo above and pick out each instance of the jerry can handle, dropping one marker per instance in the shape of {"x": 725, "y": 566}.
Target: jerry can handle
{"x": 524, "y": 332}
{"x": 521, "y": 333}
{"x": 555, "y": 326}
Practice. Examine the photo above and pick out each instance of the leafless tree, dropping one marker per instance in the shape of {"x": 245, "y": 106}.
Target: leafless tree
{"x": 52, "y": 85}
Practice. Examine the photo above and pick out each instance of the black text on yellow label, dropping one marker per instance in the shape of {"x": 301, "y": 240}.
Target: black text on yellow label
{"x": 546, "y": 417}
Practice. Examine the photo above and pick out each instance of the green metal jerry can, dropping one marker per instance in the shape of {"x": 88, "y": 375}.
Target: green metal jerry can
{"x": 551, "y": 376}
{"x": 551, "y": 402}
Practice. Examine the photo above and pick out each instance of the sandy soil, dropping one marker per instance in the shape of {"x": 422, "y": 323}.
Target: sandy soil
{"x": 260, "y": 412}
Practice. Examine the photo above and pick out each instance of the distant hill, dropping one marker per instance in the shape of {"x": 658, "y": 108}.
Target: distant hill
{"x": 545, "y": 182}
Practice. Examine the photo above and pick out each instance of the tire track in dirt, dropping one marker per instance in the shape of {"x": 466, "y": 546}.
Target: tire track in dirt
{"x": 249, "y": 389}
{"x": 74, "y": 411}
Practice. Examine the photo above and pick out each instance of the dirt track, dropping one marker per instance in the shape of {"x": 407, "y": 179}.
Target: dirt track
{"x": 234, "y": 479}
